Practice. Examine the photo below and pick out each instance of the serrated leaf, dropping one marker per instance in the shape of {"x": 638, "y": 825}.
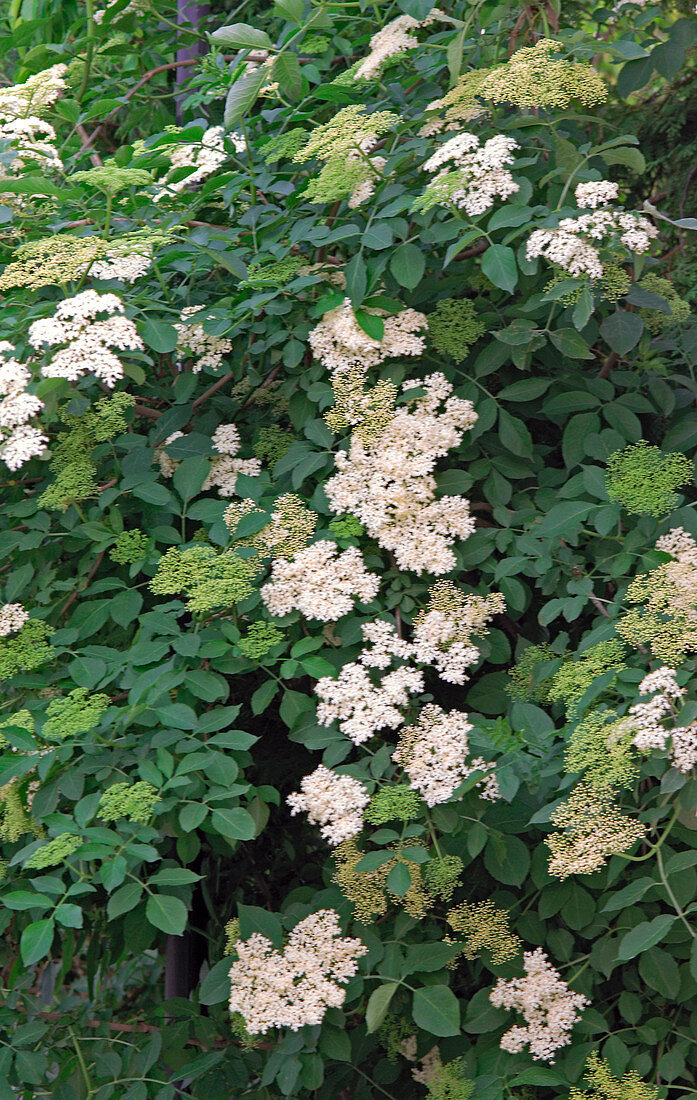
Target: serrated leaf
{"x": 644, "y": 936}
{"x": 286, "y": 70}
{"x": 436, "y": 1010}
{"x": 242, "y": 35}
{"x": 36, "y": 940}
{"x": 499, "y": 266}
{"x": 378, "y": 1004}
{"x": 243, "y": 95}
{"x": 167, "y": 913}
{"x": 407, "y": 264}
{"x": 564, "y": 518}
{"x": 622, "y": 330}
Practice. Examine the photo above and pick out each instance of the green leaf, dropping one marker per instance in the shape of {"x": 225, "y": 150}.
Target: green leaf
{"x": 235, "y": 824}
{"x": 529, "y": 389}
{"x": 436, "y": 1010}
{"x": 622, "y": 330}
{"x": 190, "y": 475}
{"x": 243, "y": 95}
{"x": 429, "y": 957}
{"x": 645, "y": 935}
{"x": 499, "y": 266}
{"x": 26, "y": 899}
{"x": 418, "y": 9}
{"x": 242, "y": 35}
{"x": 70, "y": 916}
{"x": 399, "y": 880}
{"x": 570, "y": 343}
{"x": 153, "y": 493}
{"x": 167, "y": 913}
{"x": 192, "y": 815}
{"x": 628, "y": 156}
{"x": 583, "y": 309}
{"x": 254, "y": 919}
{"x": 378, "y": 1004}
{"x": 174, "y": 876}
{"x": 215, "y": 987}
{"x": 372, "y": 326}
{"x": 564, "y": 519}
{"x": 36, "y": 940}
{"x": 286, "y": 70}
{"x": 124, "y": 899}
{"x": 158, "y": 335}
{"x": 407, "y": 265}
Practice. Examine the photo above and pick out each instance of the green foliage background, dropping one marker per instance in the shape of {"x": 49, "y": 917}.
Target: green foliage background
{"x": 224, "y": 735}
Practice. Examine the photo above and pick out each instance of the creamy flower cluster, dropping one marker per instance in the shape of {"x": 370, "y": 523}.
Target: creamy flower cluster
{"x": 192, "y": 340}
{"x": 433, "y": 750}
{"x": 203, "y": 158}
{"x": 595, "y": 193}
{"x": 550, "y": 1009}
{"x": 475, "y": 174}
{"x": 393, "y": 40}
{"x": 13, "y": 616}
{"x": 360, "y": 707}
{"x": 91, "y": 325}
{"x": 443, "y": 632}
{"x": 332, "y": 801}
{"x": 33, "y": 139}
{"x": 340, "y": 343}
{"x": 319, "y": 582}
{"x": 647, "y": 719}
{"x": 294, "y": 986}
{"x": 433, "y": 753}
{"x": 225, "y": 468}
{"x": 571, "y": 245}
{"x": 127, "y": 267}
{"x": 36, "y": 94}
{"x": 388, "y": 482}
{"x": 19, "y": 440}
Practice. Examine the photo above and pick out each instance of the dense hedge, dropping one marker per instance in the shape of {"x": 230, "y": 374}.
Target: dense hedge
{"x": 348, "y": 503}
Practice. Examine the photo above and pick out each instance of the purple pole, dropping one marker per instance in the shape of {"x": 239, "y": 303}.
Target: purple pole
{"x": 191, "y": 15}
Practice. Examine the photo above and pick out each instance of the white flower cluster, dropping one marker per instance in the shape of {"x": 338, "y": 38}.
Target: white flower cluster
{"x": 394, "y": 39}
{"x": 340, "y": 343}
{"x": 433, "y": 753}
{"x": 319, "y": 582}
{"x": 443, "y": 633}
{"x": 476, "y": 174}
{"x": 570, "y": 246}
{"x": 19, "y": 440}
{"x": 360, "y": 707}
{"x": 22, "y": 125}
{"x": 12, "y": 618}
{"x": 388, "y": 483}
{"x": 127, "y": 267}
{"x": 88, "y": 336}
{"x": 224, "y": 469}
{"x": 33, "y": 138}
{"x": 550, "y": 1009}
{"x": 203, "y": 158}
{"x": 679, "y": 545}
{"x": 647, "y": 718}
{"x": 332, "y": 801}
{"x": 595, "y": 193}
{"x": 36, "y": 94}
{"x": 192, "y": 340}
{"x": 294, "y": 986}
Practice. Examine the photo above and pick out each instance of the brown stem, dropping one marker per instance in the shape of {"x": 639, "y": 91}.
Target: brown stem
{"x": 94, "y": 156}
{"x": 74, "y": 594}
{"x": 608, "y": 364}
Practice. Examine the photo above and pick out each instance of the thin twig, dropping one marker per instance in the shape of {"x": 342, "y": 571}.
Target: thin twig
{"x": 74, "y": 594}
